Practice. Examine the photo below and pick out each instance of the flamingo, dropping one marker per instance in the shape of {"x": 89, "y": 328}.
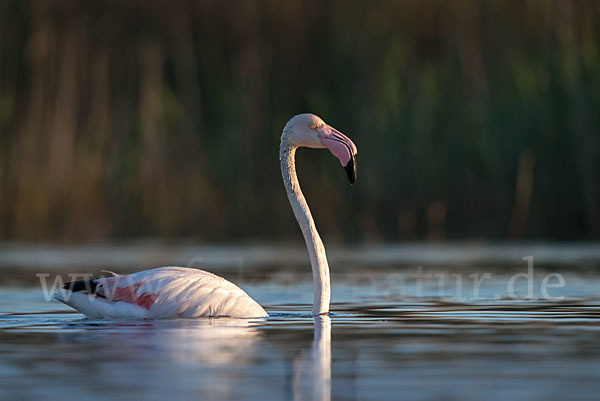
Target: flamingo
{"x": 171, "y": 292}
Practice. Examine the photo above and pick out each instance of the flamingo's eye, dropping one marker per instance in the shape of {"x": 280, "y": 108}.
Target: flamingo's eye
{"x": 313, "y": 126}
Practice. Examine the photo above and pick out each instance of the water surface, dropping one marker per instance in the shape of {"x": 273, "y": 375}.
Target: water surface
{"x": 390, "y": 336}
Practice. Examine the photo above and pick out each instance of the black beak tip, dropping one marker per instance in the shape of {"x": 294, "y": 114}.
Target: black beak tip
{"x": 351, "y": 170}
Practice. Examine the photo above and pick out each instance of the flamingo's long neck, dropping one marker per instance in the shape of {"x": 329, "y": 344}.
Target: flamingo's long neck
{"x": 316, "y": 250}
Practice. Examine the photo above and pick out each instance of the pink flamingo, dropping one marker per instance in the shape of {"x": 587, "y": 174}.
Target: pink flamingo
{"x": 168, "y": 292}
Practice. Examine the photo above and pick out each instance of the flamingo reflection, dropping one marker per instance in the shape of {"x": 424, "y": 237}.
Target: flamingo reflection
{"x": 312, "y": 370}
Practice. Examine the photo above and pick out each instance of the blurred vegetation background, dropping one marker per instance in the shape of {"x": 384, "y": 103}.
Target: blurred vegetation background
{"x": 473, "y": 119}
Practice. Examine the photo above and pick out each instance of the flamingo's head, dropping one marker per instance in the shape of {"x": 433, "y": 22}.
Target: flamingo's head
{"x": 308, "y": 130}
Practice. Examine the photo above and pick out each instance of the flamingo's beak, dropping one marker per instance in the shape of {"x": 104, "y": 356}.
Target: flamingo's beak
{"x": 341, "y": 147}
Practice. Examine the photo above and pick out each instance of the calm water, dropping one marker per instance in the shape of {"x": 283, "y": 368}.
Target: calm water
{"x": 395, "y": 332}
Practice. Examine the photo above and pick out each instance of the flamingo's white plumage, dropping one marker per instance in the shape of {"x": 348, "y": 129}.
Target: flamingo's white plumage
{"x": 164, "y": 292}
{"x": 168, "y": 292}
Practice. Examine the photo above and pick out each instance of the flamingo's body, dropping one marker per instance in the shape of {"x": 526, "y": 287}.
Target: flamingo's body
{"x": 169, "y": 292}
{"x": 164, "y": 292}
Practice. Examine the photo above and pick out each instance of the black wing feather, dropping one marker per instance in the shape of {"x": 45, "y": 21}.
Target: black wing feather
{"x": 82, "y": 285}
